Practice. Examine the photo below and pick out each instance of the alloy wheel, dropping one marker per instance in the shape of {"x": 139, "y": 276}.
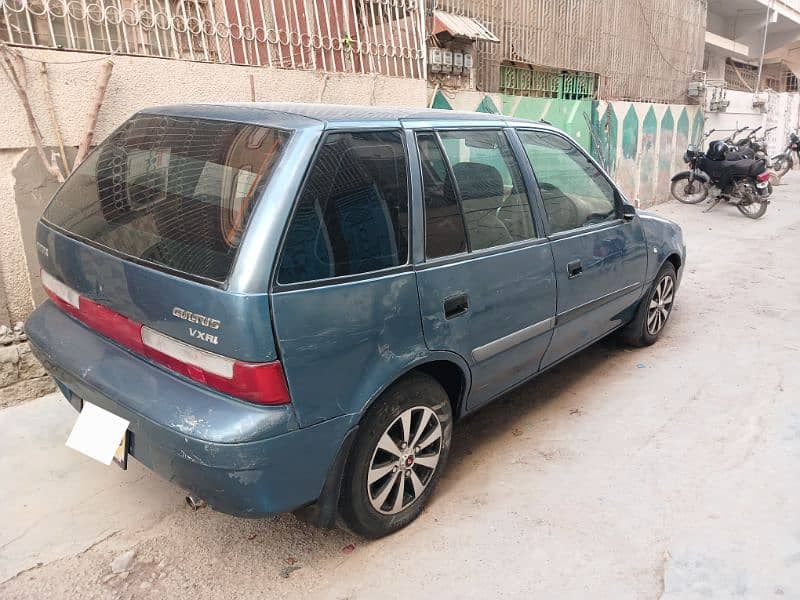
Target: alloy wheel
{"x": 404, "y": 460}
{"x": 660, "y": 305}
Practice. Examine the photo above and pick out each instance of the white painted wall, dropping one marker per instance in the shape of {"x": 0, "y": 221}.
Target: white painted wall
{"x": 783, "y": 111}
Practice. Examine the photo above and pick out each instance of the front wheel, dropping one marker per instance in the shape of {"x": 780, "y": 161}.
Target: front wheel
{"x": 688, "y": 192}
{"x": 654, "y": 309}
{"x": 782, "y": 164}
{"x": 397, "y": 459}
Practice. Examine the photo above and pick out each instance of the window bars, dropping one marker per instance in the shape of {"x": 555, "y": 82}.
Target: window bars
{"x": 355, "y": 36}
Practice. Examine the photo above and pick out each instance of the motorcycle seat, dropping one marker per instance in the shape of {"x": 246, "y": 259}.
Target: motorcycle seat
{"x": 723, "y": 171}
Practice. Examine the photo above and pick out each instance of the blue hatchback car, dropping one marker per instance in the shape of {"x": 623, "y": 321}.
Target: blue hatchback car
{"x": 290, "y": 304}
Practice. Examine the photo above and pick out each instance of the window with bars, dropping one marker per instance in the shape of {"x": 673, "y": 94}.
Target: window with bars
{"x": 540, "y": 83}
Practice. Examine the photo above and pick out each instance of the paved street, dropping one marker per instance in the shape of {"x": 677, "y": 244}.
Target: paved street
{"x": 665, "y": 472}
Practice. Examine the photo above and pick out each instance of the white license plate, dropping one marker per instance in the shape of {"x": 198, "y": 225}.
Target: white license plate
{"x": 761, "y": 184}
{"x": 100, "y": 434}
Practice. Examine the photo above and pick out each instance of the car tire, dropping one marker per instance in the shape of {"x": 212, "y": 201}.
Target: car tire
{"x": 654, "y": 310}
{"x": 416, "y": 412}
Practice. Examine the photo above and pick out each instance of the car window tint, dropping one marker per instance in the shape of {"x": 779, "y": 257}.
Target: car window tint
{"x": 489, "y": 183}
{"x": 352, "y": 216}
{"x": 575, "y": 193}
{"x": 444, "y": 223}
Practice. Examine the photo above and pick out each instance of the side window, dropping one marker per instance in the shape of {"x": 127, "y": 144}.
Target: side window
{"x": 490, "y": 186}
{"x": 444, "y": 223}
{"x": 352, "y": 216}
{"x": 575, "y": 193}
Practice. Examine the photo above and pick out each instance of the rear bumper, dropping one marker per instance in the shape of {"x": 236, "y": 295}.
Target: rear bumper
{"x": 241, "y": 458}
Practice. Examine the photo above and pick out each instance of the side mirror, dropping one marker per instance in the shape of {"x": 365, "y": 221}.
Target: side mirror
{"x": 628, "y": 212}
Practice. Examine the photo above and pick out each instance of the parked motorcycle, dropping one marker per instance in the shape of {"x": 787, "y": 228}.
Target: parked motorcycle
{"x": 751, "y": 146}
{"x": 743, "y": 182}
{"x": 784, "y": 162}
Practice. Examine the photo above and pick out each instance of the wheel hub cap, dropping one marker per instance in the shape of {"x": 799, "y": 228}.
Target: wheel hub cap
{"x": 404, "y": 460}
{"x": 660, "y": 304}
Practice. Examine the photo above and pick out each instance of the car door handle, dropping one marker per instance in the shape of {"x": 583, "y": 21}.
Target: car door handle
{"x": 456, "y": 305}
{"x": 574, "y": 268}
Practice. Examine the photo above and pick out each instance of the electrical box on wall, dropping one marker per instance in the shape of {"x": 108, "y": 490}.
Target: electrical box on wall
{"x": 467, "y": 61}
{"x": 696, "y": 89}
{"x": 447, "y": 61}
{"x": 760, "y": 101}
{"x": 435, "y": 59}
{"x": 458, "y": 62}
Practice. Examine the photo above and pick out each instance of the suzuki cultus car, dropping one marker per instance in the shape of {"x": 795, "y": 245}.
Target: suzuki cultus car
{"x": 286, "y": 306}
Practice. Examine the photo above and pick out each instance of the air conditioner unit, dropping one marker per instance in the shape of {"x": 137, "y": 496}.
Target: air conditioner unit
{"x": 720, "y": 105}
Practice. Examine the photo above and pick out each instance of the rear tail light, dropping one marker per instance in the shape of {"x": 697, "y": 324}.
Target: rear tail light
{"x": 763, "y": 176}
{"x": 262, "y": 383}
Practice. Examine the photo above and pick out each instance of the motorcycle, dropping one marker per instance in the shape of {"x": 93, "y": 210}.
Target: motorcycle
{"x": 783, "y": 163}
{"x": 753, "y": 147}
{"x": 743, "y": 182}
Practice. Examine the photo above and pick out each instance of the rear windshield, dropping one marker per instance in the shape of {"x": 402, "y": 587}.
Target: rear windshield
{"x": 172, "y": 192}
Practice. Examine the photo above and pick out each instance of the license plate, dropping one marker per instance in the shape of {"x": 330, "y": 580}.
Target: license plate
{"x": 101, "y": 435}
{"x": 761, "y": 184}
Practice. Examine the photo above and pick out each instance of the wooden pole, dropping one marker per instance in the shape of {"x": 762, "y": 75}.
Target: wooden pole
{"x": 91, "y": 120}
{"x": 48, "y": 96}
{"x": 7, "y": 63}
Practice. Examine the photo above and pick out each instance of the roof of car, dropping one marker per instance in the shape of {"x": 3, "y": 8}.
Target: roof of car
{"x": 296, "y": 114}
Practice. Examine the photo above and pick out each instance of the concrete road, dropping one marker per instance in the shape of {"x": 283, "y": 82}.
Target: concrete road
{"x": 671, "y": 471}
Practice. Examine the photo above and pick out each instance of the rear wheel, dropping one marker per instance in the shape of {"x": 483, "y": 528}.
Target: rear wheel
{"x": 688, "y": 192}
{"x": 755, "y": 209}
{"x": 654, "y": 309}
{"x": 397, "y": 459}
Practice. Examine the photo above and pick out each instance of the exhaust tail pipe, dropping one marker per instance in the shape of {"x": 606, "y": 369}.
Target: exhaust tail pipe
{"x": 195, "y": 503}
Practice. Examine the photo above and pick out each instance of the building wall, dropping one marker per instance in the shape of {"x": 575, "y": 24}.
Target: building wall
{"x": 641, "y": 49}
{"x": 782, "y": 112}
{"x": 136, "y": 82}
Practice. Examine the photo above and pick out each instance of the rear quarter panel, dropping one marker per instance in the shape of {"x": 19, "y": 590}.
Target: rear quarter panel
{"x": 341, "y": 344}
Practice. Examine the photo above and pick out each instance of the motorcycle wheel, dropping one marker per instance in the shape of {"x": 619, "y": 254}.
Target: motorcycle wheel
{"x": 688, "y": 192}
{"x": 755, "y": 210}
{"x": 782, "y": 164}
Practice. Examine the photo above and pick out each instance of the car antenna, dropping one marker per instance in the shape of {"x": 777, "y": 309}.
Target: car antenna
{"x": 545, "y": 122}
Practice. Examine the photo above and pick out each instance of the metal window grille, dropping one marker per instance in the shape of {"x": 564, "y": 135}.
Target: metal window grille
{"x": 642, "y": 49}
{"x": 356, "y": 36}
{"x": 523, "y": 81}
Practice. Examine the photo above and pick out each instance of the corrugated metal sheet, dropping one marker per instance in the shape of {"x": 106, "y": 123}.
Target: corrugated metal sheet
{"x": 461, "y": 26}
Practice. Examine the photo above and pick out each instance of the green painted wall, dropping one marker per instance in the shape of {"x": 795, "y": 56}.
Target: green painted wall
{"x": 665, "y": 152}
{"x": 681, "y": 140}
{"x": 647, "y": 162}
{"x": 641, "y": 145}
{"x": 567, "y": 115}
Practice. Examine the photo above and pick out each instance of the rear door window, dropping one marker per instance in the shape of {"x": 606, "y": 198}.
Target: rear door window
{"x": 444, "y": 223}
{"x": 352, "y": 215}
{"x": 490, "y": 186}
{"x": 175, "y": 193}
